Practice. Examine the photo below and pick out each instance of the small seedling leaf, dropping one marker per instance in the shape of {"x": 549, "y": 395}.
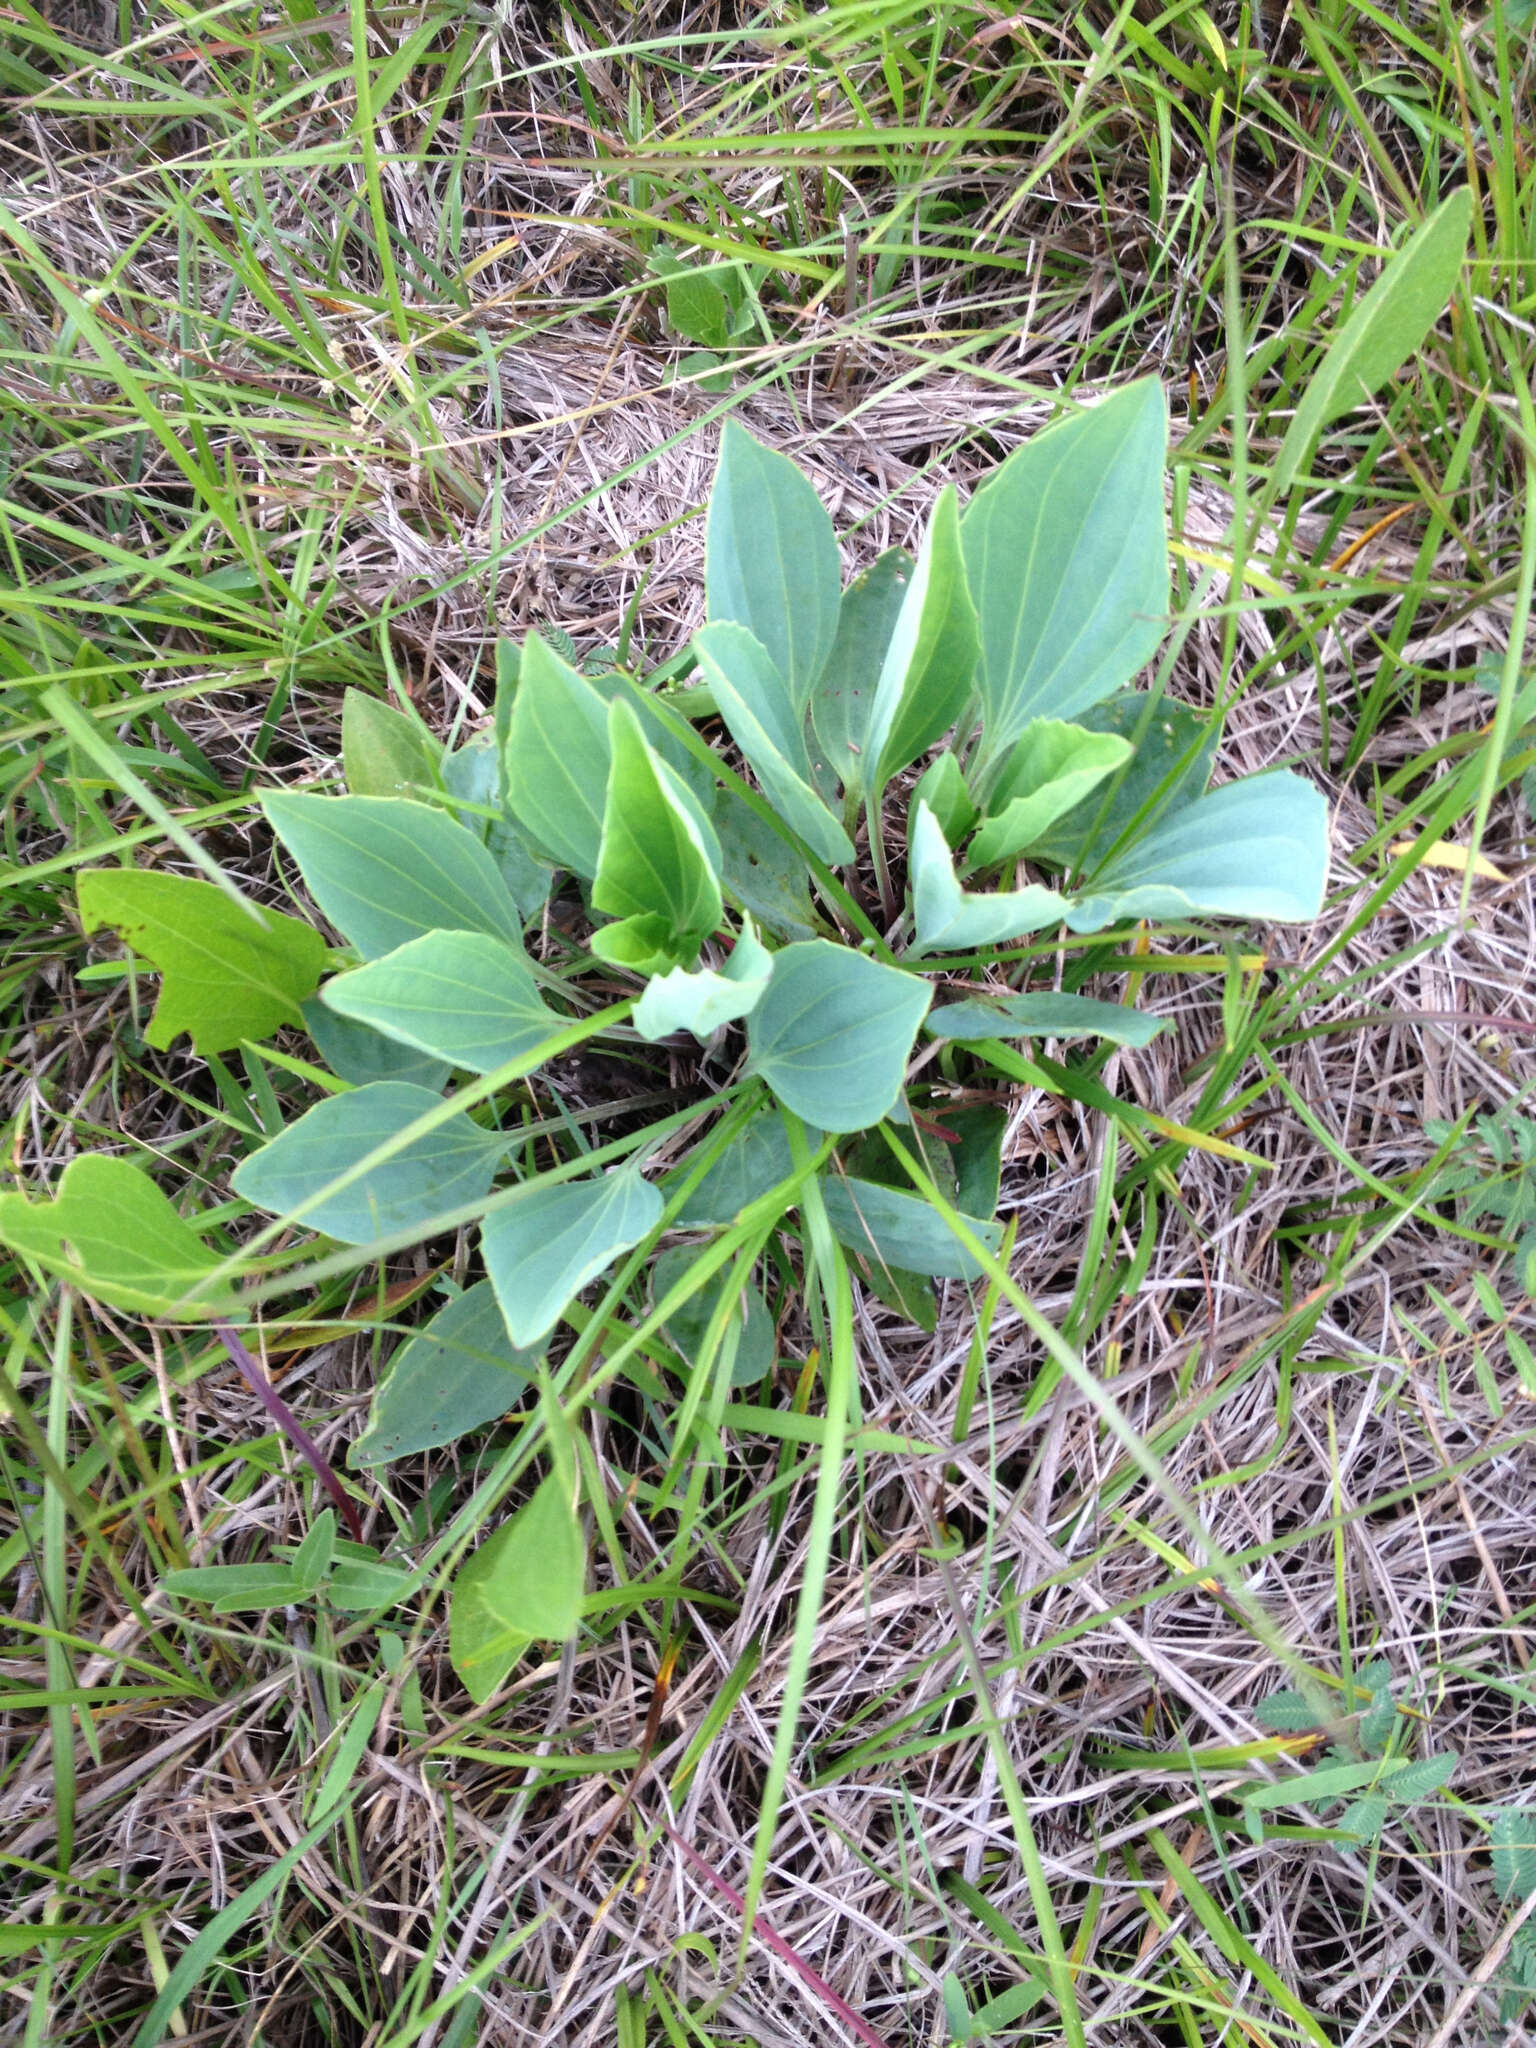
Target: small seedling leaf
{"x": 522, "y": 1585}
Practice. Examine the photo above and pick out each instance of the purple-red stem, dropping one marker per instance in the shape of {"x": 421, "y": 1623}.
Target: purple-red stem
{"x": 291, "y": 1427}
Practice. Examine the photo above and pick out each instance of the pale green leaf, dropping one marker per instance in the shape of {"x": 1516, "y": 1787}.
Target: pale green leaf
{"x": 360, "y": 1055}
{"x": 701, "y": 1002}
{"x": 1052, "y": 769}
{"x": 925, "y": 678}
{"x": 686, "y": 1328}
{"x": 384, "y": 751}
{"x": 110, "y": 1232}
{"x": 228, "y": 972}
{"x": 1252, "y": 849}
{"x": 1066, "y": 557}
{"x": 1387, "y": 327}
{"x": 943, "y": 789}
{"x": 833, "y": 1033}
{"x": 764, "y": 873}
{"x": 461, "y": 996}
{"x": 557, "y": 759}
{"x": 454, "y": 1374}
{"x": 844, "y": 696}
{"x": 892, "y": 1228}
{"x": 523, "y": 1585}
{"x": 770, "y": 559}
{"x": 766, "y": 725}
{"x": 239, "y": 1588}
{"x": 544, "y": 1245}
{"x": 947, "y": 918}
{"x": 659, "y": 855}
{"x": 1047, "y": 1015}
{"x": 474, "y": 774}
{"x": 1174, "y": 750}
{"x": 643, "y": 944}
{"x": 446, "y": 1168}
{"x": 749, "y": 1166}
{"x": 384, "y": 870}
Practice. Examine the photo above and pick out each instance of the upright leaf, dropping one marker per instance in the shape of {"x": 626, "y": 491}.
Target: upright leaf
{"x": 1066, "y": 557}
{"x": 925, "y": 679}
{"x": 763, "y": 872}
{"x": 1385, "y": 329}
{"x": 456, "y": 1373}
{"x": 943, "y": 789}
{"x": 384, "y": 870}
{"x": 1255, "y": 849}
{"x": 1051, "y": 770}
{"x": 544, "y": 1245}
{"x": 949, "y": 919}
{"x": 844, "y": 697}
{"x": 769, "y": 729}
{"x": 474, "y": 774}
{"x": 557, "y": 759}
{"x": 110, "y": 1232}
{"x": 833, "y": 1034}
{"x": 227, "y": 973}
{"x": 770, "y": 559}
{"x": 449, "y": 1166}
{"x": 659, "y": 855}
{"x": 460, "y": 996}
{"x": 384, "y": 752}
{"x": 523, "y": 1585}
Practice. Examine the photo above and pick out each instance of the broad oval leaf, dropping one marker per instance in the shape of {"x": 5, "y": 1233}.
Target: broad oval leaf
{"x": 557, "y": 759}
{"x": 384, "y": 752}
{"x": 844, "y": 698}
{"x": 1047, "y": 1015}
{"x": 749, "y": 1166}
{"x": 449, "y": 1166}
{"x": 769, "y": 730}
{"x": 112, "y": 1233}
{"x": 227, "y": 973}
{"x": 1051, "y": 770}
{"x": 460, "y": 996}
{"x": 925, "y": 678}
{"x": 384, "y": 869}
{"x": 703, "y": 1001}
{"x": 523, "y": 1585}
{"x": 360, "y": 1055}
{"x": 833, "y": 1034}
{"x": 1173, "y": 751}
{"x": 456, "y": 1373}
{"x": 770, "y": 559}
{"x": 1253, "y": 849}
{"x": 900, "y": 1231}
{"x": 544, "y": 1245}
{"x": 949, "y": 919}
{"x": 1383, "y": 331}
{"x": 1066, "y": 556}
{"x": 659, "y": 855}
{"x": 687, "y": 1327}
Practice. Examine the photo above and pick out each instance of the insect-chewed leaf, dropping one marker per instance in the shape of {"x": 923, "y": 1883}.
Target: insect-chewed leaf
{"x": 445, "y": 1168}
{"x": 833, "y": 1034}
{"x": 461, "y": 996}
{"x": 1066, "y": 556}
{"x": 522, "y": 1585}
{"x": 227, "y": 972}
{"x": 544, "y": 1245}
{"x": 770, "y": 559}
{"x": 557, "y": 759}
{"x": 456, "y": 1373}
{"x": 111, "y": 1232}
{"x": 384, "y": 869}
